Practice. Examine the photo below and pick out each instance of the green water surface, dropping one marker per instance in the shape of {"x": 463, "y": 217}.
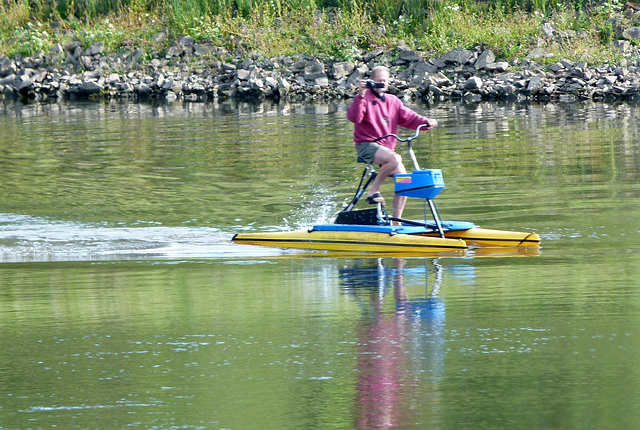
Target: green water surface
{"x": 124, "y": 304}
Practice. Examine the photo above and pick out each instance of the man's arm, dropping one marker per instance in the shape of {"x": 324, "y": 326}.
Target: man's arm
{"x": 357, "y": 109}
{"x": 409, "y": 119}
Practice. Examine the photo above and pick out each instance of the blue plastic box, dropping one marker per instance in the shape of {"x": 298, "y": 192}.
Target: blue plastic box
{"x": 425, "y": 184}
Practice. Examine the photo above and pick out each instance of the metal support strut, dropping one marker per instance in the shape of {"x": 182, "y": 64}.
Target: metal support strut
{"x": 362, "y": 188}
{"x": 436, "y": 216}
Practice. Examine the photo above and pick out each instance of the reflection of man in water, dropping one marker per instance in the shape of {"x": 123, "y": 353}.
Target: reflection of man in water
{"x": 395, "y": 347}
{"x": 382, "y": 370}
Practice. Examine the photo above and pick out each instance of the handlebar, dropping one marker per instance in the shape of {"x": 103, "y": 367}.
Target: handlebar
{"x": 408, "y": 140}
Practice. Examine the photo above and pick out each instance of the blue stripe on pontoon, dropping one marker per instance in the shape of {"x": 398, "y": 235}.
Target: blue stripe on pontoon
{"x": 448, "y": 225}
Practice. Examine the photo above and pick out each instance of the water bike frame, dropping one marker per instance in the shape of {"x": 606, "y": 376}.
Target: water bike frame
{"x": 421, "y": 183}
{"x": 370, "y": 230}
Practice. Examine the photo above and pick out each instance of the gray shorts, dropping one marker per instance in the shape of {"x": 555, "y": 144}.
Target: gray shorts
{"x": 367, "y": 150}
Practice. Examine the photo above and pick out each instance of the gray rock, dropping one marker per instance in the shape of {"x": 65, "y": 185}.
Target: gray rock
{"x": 420, "y": 72}
{"x": 186, "y": 41}
{"x": 504, "y": 90}
{"x": 408, "y": 55}
{"x": 498, "y": 67}
{"x": 484, "y": 59}
{"x": 404, "y": 75}
{"x": 199, "y": 49}
{"x": 283, "y": 87}
{"x": 632, "y": 33}
{"x": 91, "y": 87}
{"x": 620, "y": 71}
{"x": 159, "y": 83}
{"x": 71, "y": 47}
{"x": 269, "y": 65}
{"x": 39, "y": 76}
{"x": 457, "y": 56}
{"x": 535, "y": 84}
{"x": 582, "y": 72}
{"x": 472, "y": 97}
{"x": 95, "y": 49}
{"x": 431, "y": 68}
{"x": 314, "y": 71}
{"x": 7, "y": 80}
{"x": 566, "y": 63}
{"x": 439, "y": 80}
{"x": 126, "y": 88}
{"x": 342, "y": 69}
{"x": 8, "y": 91}
{"x": 168, "y": 84}
{"x": 473, "y": 83}
{"x": 176, "y": 88}
{"x": 86, "y": 62}
{"x": 173, "y": 51}
{"x": 622, "y": 45}
{"x": 142, "y": 89}
{"x": 579, "y": 82}
{"x": 575, "y": 87}
{"x": 322, "y": 81}
{"x": 357, "y": 75}
{"x": 581, "y": 66}
{"x": 23, "y": 82}
{"x": 371, "y": 55}
{"x": 556, "y": 67}
{"x": 438, "y": 63}
{"x": 243, "y": 74}
{"x": 435, "y": 91}
{"x": 256, "y": 84}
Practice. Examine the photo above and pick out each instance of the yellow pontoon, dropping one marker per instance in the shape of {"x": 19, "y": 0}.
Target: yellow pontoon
{"x": 390, "y": 239}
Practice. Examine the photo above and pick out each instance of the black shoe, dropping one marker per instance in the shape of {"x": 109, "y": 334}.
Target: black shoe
{"x": 376, "y": 198}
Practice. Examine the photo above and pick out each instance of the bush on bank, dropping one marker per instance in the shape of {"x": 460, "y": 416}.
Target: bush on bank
{"x": 336, "y": 29}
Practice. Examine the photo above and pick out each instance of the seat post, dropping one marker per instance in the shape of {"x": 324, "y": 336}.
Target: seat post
{"x": 362, "y": 188}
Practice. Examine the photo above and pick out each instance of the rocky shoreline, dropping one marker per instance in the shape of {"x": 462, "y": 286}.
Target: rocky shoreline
{"x": 190, "y": 71}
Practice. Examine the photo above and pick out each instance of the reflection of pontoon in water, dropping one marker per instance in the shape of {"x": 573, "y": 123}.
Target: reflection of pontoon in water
{"x": 370, "y": 230}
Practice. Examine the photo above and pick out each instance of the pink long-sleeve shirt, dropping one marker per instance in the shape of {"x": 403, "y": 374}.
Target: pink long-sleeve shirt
{"x": 373, "y": 118}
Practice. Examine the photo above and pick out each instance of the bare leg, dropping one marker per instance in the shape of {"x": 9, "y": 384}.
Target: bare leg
{"x": 398, "y": 207}
{"x": 399, "y": 201}
{"x": 390, "y": 164}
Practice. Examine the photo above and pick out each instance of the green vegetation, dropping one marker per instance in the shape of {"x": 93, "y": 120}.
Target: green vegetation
{"x": 339, "y": 29}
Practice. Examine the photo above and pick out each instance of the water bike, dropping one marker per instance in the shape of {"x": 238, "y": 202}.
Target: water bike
{"x": 371, "y": 230}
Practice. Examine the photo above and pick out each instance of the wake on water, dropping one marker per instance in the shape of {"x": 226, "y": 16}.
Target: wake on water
{"x": 25, "y": 238}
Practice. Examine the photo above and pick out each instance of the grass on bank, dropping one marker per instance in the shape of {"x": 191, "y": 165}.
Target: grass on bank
{"x": 338, "y": 29}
